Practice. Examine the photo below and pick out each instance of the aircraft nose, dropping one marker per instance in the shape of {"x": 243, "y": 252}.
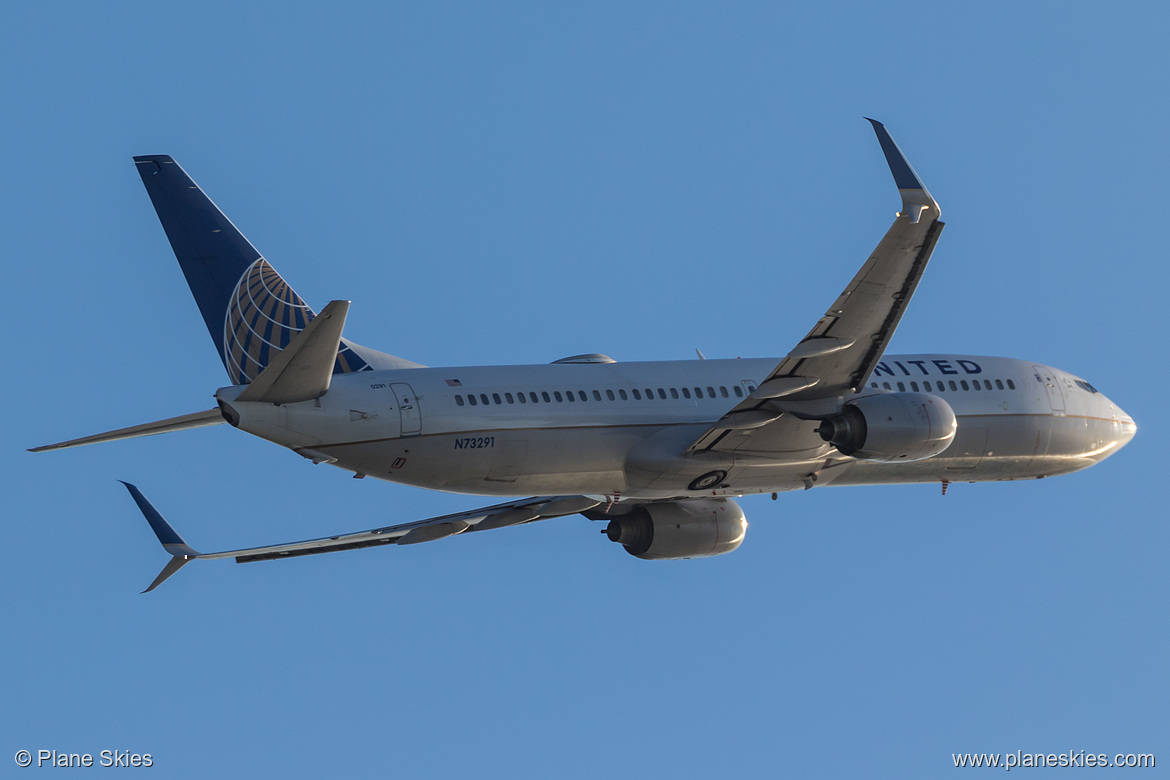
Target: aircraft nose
{"x": 1124, "y": 427}
{"x": 1128, "y": 427}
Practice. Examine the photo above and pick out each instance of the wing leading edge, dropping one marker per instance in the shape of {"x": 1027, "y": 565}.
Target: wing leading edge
{"x": 837, "y": 356}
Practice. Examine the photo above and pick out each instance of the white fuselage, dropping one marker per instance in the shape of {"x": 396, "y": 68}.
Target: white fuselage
{"x": 616, "y": 429}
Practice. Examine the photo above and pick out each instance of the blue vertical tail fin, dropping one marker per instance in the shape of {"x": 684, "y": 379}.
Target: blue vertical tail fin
{"x": 250, "y": 310}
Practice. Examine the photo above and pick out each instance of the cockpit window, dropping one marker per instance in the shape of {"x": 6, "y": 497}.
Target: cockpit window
{"x": 1086, "y": 386}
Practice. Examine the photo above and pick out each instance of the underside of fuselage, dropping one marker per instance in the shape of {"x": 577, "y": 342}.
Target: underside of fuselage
{"x": 591, "y": 462}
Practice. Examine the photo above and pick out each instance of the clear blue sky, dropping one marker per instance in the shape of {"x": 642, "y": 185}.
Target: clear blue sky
{"x": 505, "y": 183}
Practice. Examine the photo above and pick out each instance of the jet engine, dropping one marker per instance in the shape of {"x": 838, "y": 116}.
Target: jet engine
{"x": 671, "y": 530}
{"x": 892, "y": 427}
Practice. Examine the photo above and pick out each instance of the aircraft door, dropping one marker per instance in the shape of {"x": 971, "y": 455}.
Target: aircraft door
{"x": 1055, "y": 397}
{"x": 408, "y": 409}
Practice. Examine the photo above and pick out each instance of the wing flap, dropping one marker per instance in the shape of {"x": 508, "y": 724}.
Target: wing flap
{"x": 390, "y": 534}
{"x": 522, "y": 510}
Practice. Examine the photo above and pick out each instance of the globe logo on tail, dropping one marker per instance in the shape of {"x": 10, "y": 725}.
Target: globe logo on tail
{"x": 263, "y": 315}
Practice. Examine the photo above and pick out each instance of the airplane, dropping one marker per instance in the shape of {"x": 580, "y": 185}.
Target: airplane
{"x": 660, "y": 449}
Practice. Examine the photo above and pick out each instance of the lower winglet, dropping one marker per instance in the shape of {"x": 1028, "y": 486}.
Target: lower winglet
{"x": 180, "y": 551}
{"x": 173, "y": 565}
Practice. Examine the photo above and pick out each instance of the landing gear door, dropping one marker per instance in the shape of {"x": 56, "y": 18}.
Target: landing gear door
{"x": 408, "y": 409}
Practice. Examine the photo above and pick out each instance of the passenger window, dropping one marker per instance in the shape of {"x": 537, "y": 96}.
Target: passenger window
{"x": 521, "y": 397}
{"x": 914, "y": 386}
{"x": 963, "y": 382}
{"x": 496, "y": 398}
{"x": 710, "y": 391}
{"x": 637, "y": 395}
{"x": 597, "y": 395}
{"x": 483, "y": 397}
{"x": 999, "y": 384}
{"x": 459, "y": 400}
{"x": 622, "y": 393}
{"x": 569, "y": 396}
{"x": 532, "y": 396}
{"x": 738, "y": 391}
{"x": 1011, "y": 385}
{"x": 547, "y": 399}
{"x": 674, "y": 393}
{"x": 649, "y": 394}
{"x": 662, "y": 394}
{"x": 609, "y": 394}
{"x": 951, "y": 382}
{"x": 926, "y": 385}
{"x": 698, "y": 392}
{"x": 901, "y": 387}
{"x": 471, "y": 400}
{"x": 686, "y": 392}
{"x": 508, "y": 397}
{"x": 557, "y": 395}
{"x": 887, "y": 385}
{"x": 582, "y": 396}
{"x": 873, "y": 385}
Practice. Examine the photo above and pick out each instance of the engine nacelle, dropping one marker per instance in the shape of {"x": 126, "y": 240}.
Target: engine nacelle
{"x": 892, "y": 427}
{"x": 671, "y": 530}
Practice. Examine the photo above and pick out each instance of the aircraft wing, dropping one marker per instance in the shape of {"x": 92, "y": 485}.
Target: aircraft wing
{"x": 525, "y": 510}
{"x": 837, "y": 356}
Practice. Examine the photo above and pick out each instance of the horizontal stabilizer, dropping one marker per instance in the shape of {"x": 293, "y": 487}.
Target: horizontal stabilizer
{"x": 302, "y": 371}
{"x": 182, "y": 423}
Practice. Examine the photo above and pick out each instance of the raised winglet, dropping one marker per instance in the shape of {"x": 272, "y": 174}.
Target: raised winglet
{"x": 915, "y": 198}
{"x": 181, "y": 552}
